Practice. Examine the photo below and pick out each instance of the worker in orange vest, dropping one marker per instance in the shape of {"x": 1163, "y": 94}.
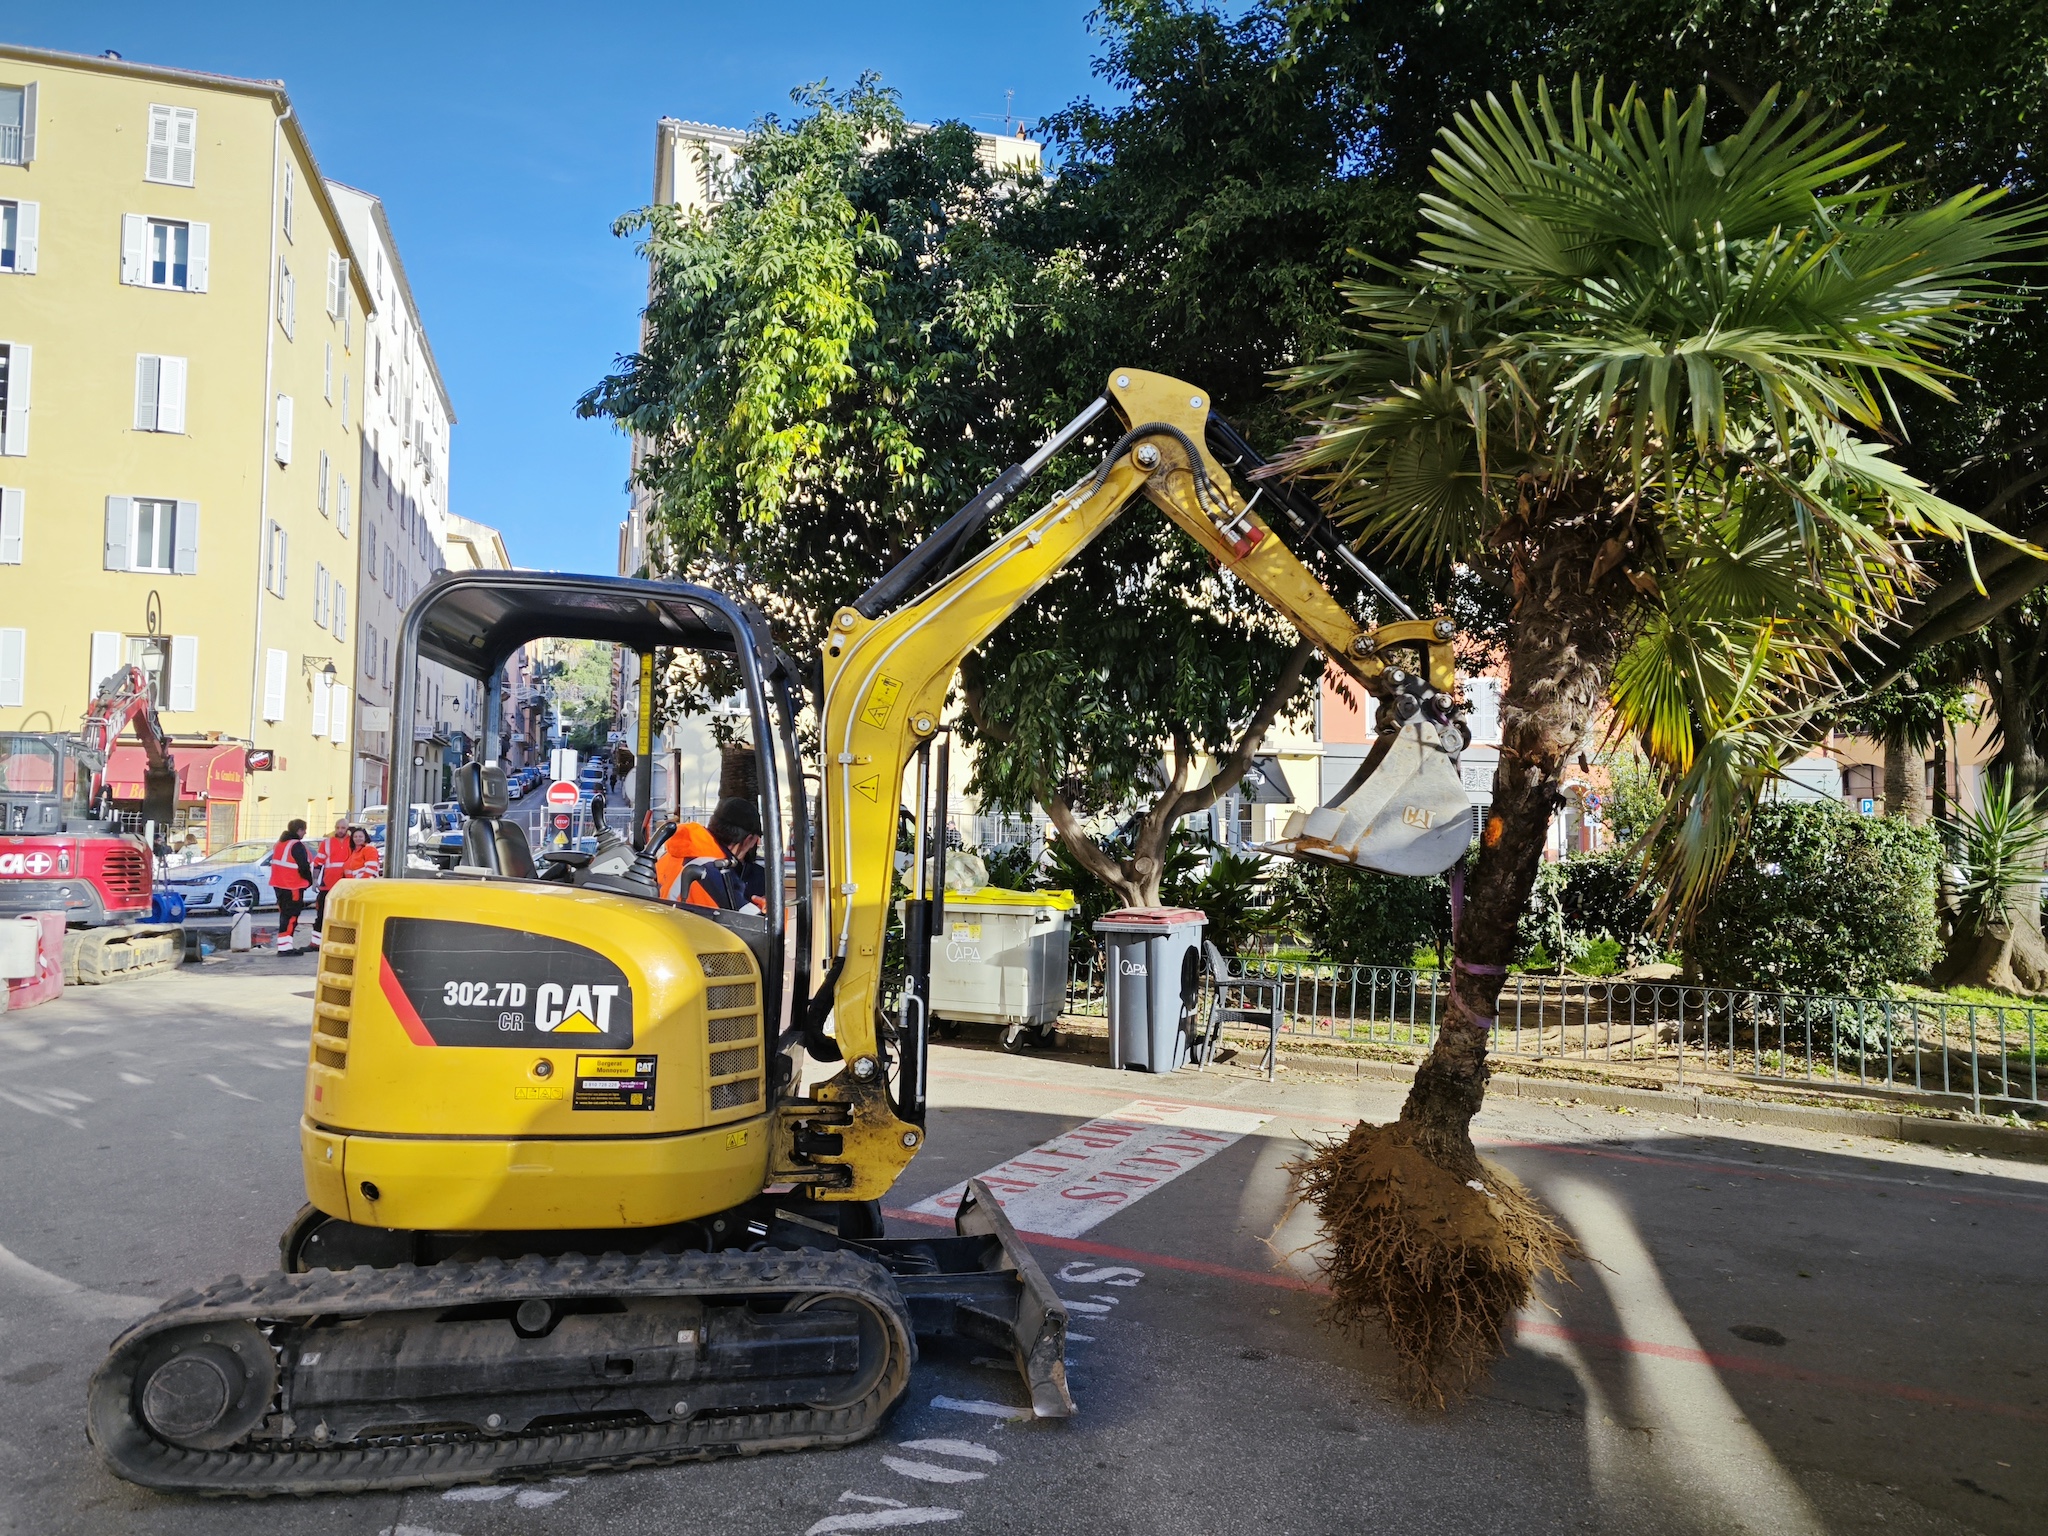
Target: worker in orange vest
{"x": 330, "y": 864}
{"x": 714, "y": 864}
{"x": 291, "y": 873}
{"x": 364, "y": 862}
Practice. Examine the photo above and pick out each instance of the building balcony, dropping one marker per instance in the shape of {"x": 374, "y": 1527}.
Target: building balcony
{"x": 10, "y": 143}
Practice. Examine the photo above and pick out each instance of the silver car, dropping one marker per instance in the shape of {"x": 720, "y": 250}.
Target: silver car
{"x": 233, "y": 879}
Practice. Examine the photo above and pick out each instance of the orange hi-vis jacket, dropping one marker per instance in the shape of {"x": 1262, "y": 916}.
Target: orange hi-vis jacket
{"x": 285, "y": 874}
{"x": 691, "y": 840}
{"x": 364, "y": 862}
{"x": 333, "y": 861}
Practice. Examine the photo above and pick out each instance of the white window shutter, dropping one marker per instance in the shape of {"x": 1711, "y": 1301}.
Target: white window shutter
{"x": 13, "y": 504}
{"x": 327, "y": 373}
{"x": 341, "y": 296}
{"x": 134, "y": 249}
{"x": 288, "y": 202}
{"x": 184, "y": 144}
{"x": 321, "y": 694}
{"x": 332, "y": 259}
{"x": 340, "y": 625}
{"x": 28, "y": 218}
{"x": 106, "y": 655}
{"x": 284, "y": 429}
{"x": 119, "y": 518}
{"x": 273, "y": 684}
{"x": 159, "y": 163}
{"x": 320, "y": 486}
{"x": 320, "y": 594}
{"x": 13, "y": 663}
{"x": 185, "y": 556}
{"x": 341, "y": 505}
{"x": 28, "y": 123}
{"x": 195, "y": 256}
{"x": 337, "y": 715}
{"x": 344, "y": 401}
{"x": 170, "y": 394}
{"x": 184, "y": 693}
{"x": 147, "y": 368}
{"x": 14, "y": 433}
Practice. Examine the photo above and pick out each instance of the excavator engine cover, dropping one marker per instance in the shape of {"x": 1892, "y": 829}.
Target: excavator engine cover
{"x": 1407, "y": 813}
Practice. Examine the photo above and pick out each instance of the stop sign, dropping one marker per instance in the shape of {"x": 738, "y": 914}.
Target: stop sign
{"x": 562, "y": 792}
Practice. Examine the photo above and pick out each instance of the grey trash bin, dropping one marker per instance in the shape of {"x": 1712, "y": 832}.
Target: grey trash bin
{"x": 1152, "y": 975}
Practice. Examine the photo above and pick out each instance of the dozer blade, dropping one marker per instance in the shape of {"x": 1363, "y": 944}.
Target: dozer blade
{"x": 980, "y": 1284}
{"x": 1404, "y": 813}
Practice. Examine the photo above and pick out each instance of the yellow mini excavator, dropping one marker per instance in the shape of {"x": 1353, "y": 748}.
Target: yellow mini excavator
{"x": 570, "y": 1204}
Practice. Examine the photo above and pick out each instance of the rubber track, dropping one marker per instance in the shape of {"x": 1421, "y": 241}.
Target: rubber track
{"x": 441, "y": 1459}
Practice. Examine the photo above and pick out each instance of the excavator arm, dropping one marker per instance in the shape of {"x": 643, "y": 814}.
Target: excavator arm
{"x": 890, "y": 658}
{"x": 121, "y": 701}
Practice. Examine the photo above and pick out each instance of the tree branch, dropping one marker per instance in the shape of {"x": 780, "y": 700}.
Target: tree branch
{"x": 1085, "y": 849}
{"x": 1234, "y": 767}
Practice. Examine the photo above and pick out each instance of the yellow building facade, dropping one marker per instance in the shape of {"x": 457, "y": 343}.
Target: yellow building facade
{"x": 180, "y": 326}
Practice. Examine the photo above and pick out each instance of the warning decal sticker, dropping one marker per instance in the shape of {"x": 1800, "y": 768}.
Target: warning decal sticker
{"x": 470, "y": 984}
{"x": 614, "y": 1082}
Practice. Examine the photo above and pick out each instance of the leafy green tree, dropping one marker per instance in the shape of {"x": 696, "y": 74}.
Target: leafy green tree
{"x": 2000, "y": 847}
{"x": 1645, "y": 373}
{"x": 873, "y": 324}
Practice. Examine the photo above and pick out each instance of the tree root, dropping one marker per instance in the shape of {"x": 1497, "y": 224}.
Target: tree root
{"x": 1443, "y": 1265}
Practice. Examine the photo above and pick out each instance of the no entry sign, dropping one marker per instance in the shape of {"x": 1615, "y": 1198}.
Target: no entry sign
{"x": 562, "y": 792}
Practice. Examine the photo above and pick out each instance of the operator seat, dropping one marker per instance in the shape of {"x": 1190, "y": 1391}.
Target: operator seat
{"x": 487, "y": 841}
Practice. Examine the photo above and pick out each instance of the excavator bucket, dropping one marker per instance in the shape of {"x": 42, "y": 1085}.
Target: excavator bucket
{"x": 1405, "y": 812}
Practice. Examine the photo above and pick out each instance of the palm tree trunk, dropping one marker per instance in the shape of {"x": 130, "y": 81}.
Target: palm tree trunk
{"x": 1563, "y": 641}
{"x": 1905, "y": 782}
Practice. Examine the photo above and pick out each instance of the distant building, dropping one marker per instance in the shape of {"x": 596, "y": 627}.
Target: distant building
{"x": 181, "y": 346}
{"x": 405, "y": 422}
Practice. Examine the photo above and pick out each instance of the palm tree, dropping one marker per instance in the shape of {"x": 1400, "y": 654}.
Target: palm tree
{"x": 1641, "y": 380}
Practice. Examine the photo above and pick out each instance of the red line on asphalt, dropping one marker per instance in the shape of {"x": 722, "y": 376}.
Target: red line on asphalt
{"x": 1743, "y": 1365}
{"x": 1740, "y": 1364}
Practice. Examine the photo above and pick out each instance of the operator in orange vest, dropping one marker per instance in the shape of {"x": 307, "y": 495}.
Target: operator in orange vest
{"x": 331, "y": 864}
{"x": 291, "y": 872}
{"x": 714, "y": 864}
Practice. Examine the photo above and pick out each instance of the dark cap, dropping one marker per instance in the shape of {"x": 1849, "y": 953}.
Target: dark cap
{"x": 736, "y": 813}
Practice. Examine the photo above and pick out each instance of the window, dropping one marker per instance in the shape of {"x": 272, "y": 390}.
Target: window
{"x": 341, "y": 505}
{"x": 377, "y": 269}
{"x": 320, "y": 491}
{"x": 339, "y": 623}
{"x": 159, "y": 393}
{"x": 327, "y": 374}
{"x": 18, "y": 225}
{"x": 13, "y": 667}
{"x": 173, "y": 141}
{"x": 13, "y": 505}
{"x": 152, "y": 654}
{"x": 322, "y": 593}
{"x": 14, "y": 376}
{"x": 369, "y": 650}
{"x": 377, "y": 364}
{"x": 337, "y": 285}
{"x": 282, "y": 440}
{"x": 369, "y": 545}
{"x": 390, "y": 571}
{"x": 275, "y": 550}
{"x": 17, "y": 124}
{"x": 391, "y": 394}
{"x": 344, "y": 402}
{"x": 288, "y": 189}
{"x": 274, "y": 663}
{"x": 164, "y": 253}
{"x": 386, "y": 662}
{"x": 287, "y": 297}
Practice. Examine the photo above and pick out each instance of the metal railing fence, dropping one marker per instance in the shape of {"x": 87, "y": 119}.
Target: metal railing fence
{"x": 1979, "y": 1051}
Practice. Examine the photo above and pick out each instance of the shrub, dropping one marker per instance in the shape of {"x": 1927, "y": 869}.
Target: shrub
{"x": 1361, "y": 917}
{"x": 1592, "y": 913}
{"x": 1230, "y": 893}
{"x": 1818, "y": 900}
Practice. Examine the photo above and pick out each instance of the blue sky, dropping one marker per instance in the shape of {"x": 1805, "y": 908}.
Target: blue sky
{"x": 504, "y": 139}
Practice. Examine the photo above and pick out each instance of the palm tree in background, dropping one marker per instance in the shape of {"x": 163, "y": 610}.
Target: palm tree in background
{"x": 1642, "y": 382}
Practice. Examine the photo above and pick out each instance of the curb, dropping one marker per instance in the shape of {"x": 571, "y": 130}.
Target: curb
{"x": 1961, "y": 1136}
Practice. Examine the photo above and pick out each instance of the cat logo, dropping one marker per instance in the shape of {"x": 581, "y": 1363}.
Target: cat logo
{"x": 582, "y": 1011}
{"x": 1418, "y": 816}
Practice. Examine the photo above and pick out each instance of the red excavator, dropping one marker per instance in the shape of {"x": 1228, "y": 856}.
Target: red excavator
{"x": 62, "y": 845}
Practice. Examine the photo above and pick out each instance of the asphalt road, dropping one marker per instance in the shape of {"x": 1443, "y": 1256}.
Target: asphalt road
{"x": 147, "y": 1141}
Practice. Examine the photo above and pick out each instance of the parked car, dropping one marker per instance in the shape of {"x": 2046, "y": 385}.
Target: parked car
{"x": 233, "y": 879}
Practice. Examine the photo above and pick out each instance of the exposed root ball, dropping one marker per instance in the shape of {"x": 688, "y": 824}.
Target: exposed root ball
{"x": 1445, "y": 1266}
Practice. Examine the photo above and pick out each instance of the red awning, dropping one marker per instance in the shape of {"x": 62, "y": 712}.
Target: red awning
{"x": 206, "y": 771}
